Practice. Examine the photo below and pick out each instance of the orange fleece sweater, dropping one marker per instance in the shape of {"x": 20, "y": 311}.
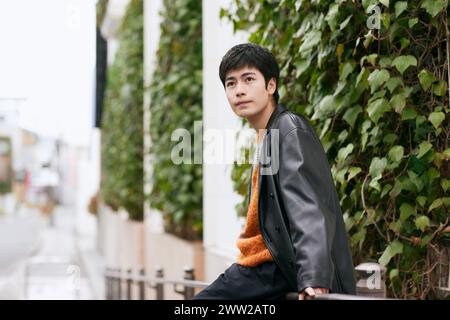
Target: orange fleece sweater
{"x": 253, "y": 250}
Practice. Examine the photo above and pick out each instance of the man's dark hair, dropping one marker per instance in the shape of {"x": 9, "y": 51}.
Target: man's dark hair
{"x": 251, "y": 55}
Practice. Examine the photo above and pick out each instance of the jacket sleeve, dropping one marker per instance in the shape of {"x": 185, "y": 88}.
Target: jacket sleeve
{"x": 305, "y": 181}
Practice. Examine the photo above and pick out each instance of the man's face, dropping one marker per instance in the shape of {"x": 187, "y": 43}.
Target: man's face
{"x": 246, "y": 91}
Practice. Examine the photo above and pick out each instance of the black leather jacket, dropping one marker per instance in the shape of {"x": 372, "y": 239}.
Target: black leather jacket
{"x": 299, "y": 213}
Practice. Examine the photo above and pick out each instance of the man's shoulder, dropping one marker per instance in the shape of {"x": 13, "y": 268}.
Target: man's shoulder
{"x": 289, "y": 121}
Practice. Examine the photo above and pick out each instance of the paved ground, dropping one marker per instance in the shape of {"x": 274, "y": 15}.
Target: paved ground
{"x": 55, "y": 271}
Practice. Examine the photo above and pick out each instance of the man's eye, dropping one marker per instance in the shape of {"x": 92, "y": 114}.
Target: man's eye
{"x": 230, "y": 84}
{"x": 249, "y": 79}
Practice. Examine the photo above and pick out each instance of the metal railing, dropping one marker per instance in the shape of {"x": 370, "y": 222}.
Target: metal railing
{"x": 370, "y": 286}
{"x": 115, "y": 279}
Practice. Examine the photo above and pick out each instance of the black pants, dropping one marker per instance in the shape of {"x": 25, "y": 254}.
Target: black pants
{"x": 264, "y": 281}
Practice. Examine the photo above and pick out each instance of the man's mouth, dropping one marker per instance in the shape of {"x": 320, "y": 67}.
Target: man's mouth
{"x": 242, "y": 103}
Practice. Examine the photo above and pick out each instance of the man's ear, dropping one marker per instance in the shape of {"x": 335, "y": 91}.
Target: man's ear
{"x": 272, "y": 86}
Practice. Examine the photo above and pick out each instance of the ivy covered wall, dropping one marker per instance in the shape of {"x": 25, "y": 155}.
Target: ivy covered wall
{"x": 378, "y": 99}
{"x": 122, "y": 121}
{"x": 176, "y": 102}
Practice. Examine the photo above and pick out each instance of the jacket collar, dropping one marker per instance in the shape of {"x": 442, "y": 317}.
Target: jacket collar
{"x": 278, "y": 109}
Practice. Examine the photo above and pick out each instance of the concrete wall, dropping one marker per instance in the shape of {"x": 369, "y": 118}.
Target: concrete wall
{"x": 173, "y": 255}
{"x": 122, "y": 240}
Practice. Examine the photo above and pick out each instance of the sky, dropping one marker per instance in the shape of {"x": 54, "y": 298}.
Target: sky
{"x": 47, "y": 59}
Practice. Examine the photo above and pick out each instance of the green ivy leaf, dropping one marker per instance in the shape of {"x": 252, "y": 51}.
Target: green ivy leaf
{"x": 394, "y": 248}
{"x": 404, "y": 62}
{"x": 393, "y": 83}
{"x": 368, "y": 4}
{"x": 377, "y": 166}
{"x": 406, "y": 210}
{"x": 325, "y": 107}
{"x": 412, "y": 22}
{"x": 340, "y": 175}
{"x": 385, "y": 3}
{"x": 345, "y": 23}
{"x": 390, "y": 138}
{"x": 421, "y": 200}
{"x": 400, "y": 6}
{"x": 422, "y": 222}
{"x": 426, "y": 79}
{"x": 424, "y": 147}
{"x": 425, "y": 240}
{"x": 377, "y": 108}
{"x": 393, "y": 274}
{"x": 446, "y": 201}
{"x": 362, "y": 76}
{"x": 432, "y": 174}
{"x": 344, "y": 152}
{"x": 372, "y": 58}
{"x": 311, "y": 39}
{"x": 332, "y": 15}
{"x": 386, "y": 19}
{"x": 445, "y": 183}
{"x": 377, "y": 78}
{"x": 385, "y": 62}
{"x": 409, "y": 114}
{"x": 436, "y": 118}
{"x": 398, "y": 102}
{"x": 348, "y": 221}
{"x": 353, "y": 171}
{"x": 395, "y": 226}
{"x": 396, "y": 153}
{"x": 351, "y": 114}
{"x": 446, "y": 153}
{"x": 398, "y": 187}
{"x": 436, "y": 204}
{"x": 359, "y": 237}
{"x": 385, "y": 190}
{"x": 440, "y": 88}
{"x": 368, "y": 39}
{"x": 346, "y": 70}
{"x": 301, "y": 66}
{"x": 415, "y": 180}
{"x": 433, "y": 7}
{"x": 404, "y": 43}
{"x": 418, "y": 165}
{"x": 377, "y": 95}
{"x": 375, "y": 184}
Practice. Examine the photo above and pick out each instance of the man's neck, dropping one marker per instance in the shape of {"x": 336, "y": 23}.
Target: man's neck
{"x": 260, "y": 120}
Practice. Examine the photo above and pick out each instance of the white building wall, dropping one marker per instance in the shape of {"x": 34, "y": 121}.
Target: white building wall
{"x": 111, "y": 23}
{"x": 221, "y": 224}
{"x": 152, "y": 21}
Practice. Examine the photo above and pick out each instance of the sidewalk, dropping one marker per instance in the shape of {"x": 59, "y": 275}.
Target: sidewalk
{"x": 55, "y": 272}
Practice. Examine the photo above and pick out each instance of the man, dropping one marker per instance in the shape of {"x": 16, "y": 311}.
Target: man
{"x": 294, "y": 239}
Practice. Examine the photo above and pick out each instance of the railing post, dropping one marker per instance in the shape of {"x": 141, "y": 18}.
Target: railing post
{"x": 159, "y": 286}
{"x": 129, "y": 282}
{"x": 108, "y": 284}
{"x": 118, "y": 284}
{"x": 189, "y": 292}
{"x": 142, "y": 284}
{"x": 371, "y": 280}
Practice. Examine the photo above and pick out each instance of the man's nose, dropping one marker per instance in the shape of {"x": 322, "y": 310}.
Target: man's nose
{"x": 240, "y": 90}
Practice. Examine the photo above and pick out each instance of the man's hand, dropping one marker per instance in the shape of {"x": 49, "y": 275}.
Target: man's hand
{"x": 311, "y": 292}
